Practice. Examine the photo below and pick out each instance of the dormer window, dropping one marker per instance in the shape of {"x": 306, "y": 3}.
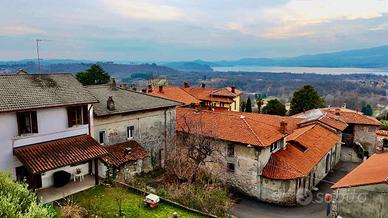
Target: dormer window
{"x": 77, "y": 115}
{"x": 27, "y": 122}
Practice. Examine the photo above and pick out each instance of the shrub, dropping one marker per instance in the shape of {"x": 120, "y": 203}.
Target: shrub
{"x": 73, "y": 211}
{"x": 17, "y": 201}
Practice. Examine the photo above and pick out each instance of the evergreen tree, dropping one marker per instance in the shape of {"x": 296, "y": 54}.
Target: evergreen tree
{"x": 248, "y": 106}
{"x": 367, "y": 110}
{"x": 274, "y": 107}
{"x": 93, "y": 76}
{"x": 305, "y": 99}
{"x": 259, "y": 102}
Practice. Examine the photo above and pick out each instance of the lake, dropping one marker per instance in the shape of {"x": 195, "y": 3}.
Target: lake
{"x": 317, "y": 70}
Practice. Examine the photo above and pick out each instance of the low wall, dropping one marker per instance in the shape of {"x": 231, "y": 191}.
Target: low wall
{"x": 143, "y": 192}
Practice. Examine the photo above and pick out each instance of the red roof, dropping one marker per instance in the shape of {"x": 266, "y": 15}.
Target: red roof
{"x": 50, "y": 155}
{"x": 372, "y": 171}
{"x": 305, "y": 148}
{"x": 176, "y": 94}
{"x": 246, "y": 128}
{"x": 207, "y": 94}
{"x": 353, "y": 117}
{"x": 125, "y": 152}
{"x": 326, "y": 119}
{"x": 382, "y": 133}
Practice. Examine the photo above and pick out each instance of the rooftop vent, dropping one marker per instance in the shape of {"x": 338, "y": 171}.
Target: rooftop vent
{"x": 128, "y": 150}
{"x": 110, "y": 104}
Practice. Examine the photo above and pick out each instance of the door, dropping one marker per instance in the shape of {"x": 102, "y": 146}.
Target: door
{"x": 34, "y": 180}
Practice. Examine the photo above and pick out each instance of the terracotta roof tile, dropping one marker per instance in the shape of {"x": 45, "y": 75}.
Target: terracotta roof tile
{"x": 372, "y": 171}
{"x": 382, "y": 133}
{"x": 176, "y": 94}
{"x": 353, "y": 117}
{"x": 206, "y": 94}
{"x": 50, "y": 155}
{"x": 119, "y": 155}
{"x": 247, "y": 128}
{"x": 294, "y": 162}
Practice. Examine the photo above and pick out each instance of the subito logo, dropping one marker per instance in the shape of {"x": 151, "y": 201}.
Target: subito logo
{"x": 304, "y": 197}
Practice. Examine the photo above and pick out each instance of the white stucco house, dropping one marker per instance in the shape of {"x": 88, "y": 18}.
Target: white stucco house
{"x": 45, "y": 122}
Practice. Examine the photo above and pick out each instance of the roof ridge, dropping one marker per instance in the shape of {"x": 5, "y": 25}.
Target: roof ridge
{"x": 254, "y": 133}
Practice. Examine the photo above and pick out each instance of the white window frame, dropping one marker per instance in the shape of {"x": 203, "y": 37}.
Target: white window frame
{"x": 99, "y": 137}
{"x": 130, "y": 132}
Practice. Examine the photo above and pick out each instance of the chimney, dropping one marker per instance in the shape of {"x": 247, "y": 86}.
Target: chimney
{"x": 161, "y": 88}
{"x": 233, "y": 89}
{"x": 128, "y": 150}
{"x": 283, "y": 127}
{"x": 149, "y": 88}
{"x": 186, "y": 85}
{"x": 337, "y": 113}
{"x": 144, "y": 90}
{"x": 203, "y": 85}
{"x": 110, "y": 104}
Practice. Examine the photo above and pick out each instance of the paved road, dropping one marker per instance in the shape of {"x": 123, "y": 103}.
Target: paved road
{"x": 249, "y": 208}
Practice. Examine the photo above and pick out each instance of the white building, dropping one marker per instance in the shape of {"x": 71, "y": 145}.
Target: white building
{"x": 45, "y": 120}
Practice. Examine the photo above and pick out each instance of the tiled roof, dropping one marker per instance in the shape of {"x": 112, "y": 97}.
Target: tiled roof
{"x": 382, "y": 133}
{"x": 324, "y": 118}
{"x": 176, "y": 94}
{"x": 294, "y": 162}
{"x": 31, "y": 91}
{"x": 353, "y": 117}
{"x": 119, "y": 155}
{"x": 246, "y": 128}
{"x": 50, "y": 155}
{"x": 125, "y": 101}
{"x": 372, "y": 171}
{"x": 207, "y": 94}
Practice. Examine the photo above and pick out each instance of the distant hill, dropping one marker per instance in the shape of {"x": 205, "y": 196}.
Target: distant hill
{"x": 116, "y": 70}
{"x": 190, "y": 66}
{"x": 376, "y": 57}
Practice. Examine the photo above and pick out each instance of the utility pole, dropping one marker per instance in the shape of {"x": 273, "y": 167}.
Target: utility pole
{"x": 37, "y": 50}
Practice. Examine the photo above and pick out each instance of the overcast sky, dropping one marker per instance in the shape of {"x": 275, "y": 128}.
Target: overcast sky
{"x": 157, "y": 30}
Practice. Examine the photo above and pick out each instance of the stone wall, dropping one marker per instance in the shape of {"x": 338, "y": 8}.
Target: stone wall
{"x": 361, "y": 201}
{"x": 153, "y": 130}
{"x": 366, "y": 135}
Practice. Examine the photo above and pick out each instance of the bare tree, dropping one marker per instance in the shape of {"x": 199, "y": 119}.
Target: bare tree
{"x": 197, "y": 140}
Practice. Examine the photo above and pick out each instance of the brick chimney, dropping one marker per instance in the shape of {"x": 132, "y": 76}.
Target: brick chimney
{"x": 283, "y": 127}
{"x": 337, "y": 113}
{"x": 186, "y": 85}
{"x": 110, "y": 104}
{"x": 203, "y": 85}
{"x": 233, "y": 89}
{"x": 161, "y": 88}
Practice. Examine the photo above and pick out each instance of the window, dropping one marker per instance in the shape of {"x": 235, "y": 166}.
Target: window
{"x": 77, "y": 115}
{"x": 230, "y": 167}
{"x": 130, "y": 132}
{"x": 230, "y": 150}
{"x": 101, "y": 137}
{"x": 276, "y": 146}
{"x": 27, "y": 122}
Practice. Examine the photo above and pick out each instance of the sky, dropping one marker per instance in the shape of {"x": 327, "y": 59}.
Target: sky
{"x": 174, "y": 30}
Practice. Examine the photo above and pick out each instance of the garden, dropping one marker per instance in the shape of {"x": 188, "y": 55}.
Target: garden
{"x": 103, "y": 201}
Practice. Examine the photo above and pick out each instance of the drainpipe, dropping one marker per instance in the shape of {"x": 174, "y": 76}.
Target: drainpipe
{"x": 165, "y": 135}
{"x": 89, "y": 119}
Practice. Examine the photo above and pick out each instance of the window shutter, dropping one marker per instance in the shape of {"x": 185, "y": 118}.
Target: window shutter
{"x": 19, "y": 120}
{"x": 85, "y": 114}
{"x": 34, "y": 122}
{"x": 70, "y": 116}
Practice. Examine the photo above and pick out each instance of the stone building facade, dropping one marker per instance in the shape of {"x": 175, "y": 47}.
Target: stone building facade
{"x": 276, "y": 171}
{"x": 124, "y": 115}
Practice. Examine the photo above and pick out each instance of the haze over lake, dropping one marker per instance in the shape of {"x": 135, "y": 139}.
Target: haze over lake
{"x": 317, "y": 70}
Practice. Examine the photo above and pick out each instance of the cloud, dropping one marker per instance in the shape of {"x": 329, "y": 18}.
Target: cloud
{"x": 294, "y": 16}
{"x": 145, "y": 10}
{"x": 18, "y": 30}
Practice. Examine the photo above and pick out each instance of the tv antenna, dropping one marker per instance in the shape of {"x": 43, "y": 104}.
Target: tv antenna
{"x": 37, "y": 50}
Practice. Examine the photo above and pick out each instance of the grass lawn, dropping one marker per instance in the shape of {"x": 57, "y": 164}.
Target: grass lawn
{"x": 102, "y": 201}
